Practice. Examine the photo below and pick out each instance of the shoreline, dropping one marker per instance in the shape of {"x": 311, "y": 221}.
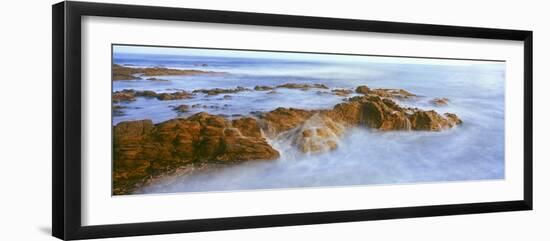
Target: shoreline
{"x": 136, "y": 73}
{"x": 144, "y": 151}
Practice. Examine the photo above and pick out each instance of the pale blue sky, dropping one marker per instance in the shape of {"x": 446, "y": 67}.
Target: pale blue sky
{"x": 287, "y": 56}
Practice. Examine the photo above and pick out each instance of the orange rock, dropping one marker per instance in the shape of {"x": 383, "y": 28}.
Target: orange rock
{"x": 283, "y": 119}
{"x": 440, "y": 101}
{"x": 143, "y": 150}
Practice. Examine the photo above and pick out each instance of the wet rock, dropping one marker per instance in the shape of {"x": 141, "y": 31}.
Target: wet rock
{"x": 440, "y": 101}
{"x": 272, "y": 92}
{"x": 262, "y": 88}
{"x": 181, "y": 108}
{"x": 123, "y": 96}
{"x": 302, "y": 86}
{"x": 118, "y": 110}
{"x": 389, "y": 93}
{"x": 453, "y": 119}
{"x": 257, "y": 113}
{"x": 129, "y": 73}
{"x": 147, "y": 94}
{"x": 143, "y": 150}
{"x": 384, "y": 114}
{"x": 394, "y": 93}
{"x": 227, "y": 97}
{"x": 156, "y": 79}
{"x": 342, "y": 92}
{"x": 217, "y": 91}
{"x": 131, "y": 156}
{"x": 124, "y": 73}
{"x": 130, "y": 95}
{"x": 283, "y": 119}
{"x": 317, "y": 134}
{"x": 175, "y": 96}
{"x": 429, "y": 121}
{"x": 362, "y": 89}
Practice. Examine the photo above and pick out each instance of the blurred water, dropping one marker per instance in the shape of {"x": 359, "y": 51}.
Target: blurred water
{"x": 473, "y": 151}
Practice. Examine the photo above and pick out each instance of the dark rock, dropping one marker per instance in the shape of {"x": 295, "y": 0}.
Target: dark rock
{"x": 128, "y": 73}
{"x": 302, "y": 86}
{"x": 147, "y": 94}
{"x": 362, "y": 89}
{"x": 262, "y": 88}
{"x": 117, "y": 110}
{"x": 123, "y": 96}
{"x": 217, "y": 91}
{"x": 175, "y": 96}
{"x": 181, "y": 108}
{"x": 156, "y": 79}
{"x": 342, "y": 92}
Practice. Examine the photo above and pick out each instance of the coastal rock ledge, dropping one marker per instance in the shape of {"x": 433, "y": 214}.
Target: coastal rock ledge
{"x": 143, "y": 151}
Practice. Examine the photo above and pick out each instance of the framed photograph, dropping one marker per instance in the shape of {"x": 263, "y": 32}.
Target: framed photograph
{"x": 169, "y": 120}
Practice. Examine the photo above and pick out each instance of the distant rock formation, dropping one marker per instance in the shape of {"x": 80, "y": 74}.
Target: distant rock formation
{"x": 129, "y": 73}
{"x": 342, "y": 92}
{"x": 130, "y": 95}
{"x": 390, "y": 93}
{"x": 217, "y": 91}
{"x": 440, "y": 101}
{"x": 302, "y": 86}
{"x": 263, "y": 88}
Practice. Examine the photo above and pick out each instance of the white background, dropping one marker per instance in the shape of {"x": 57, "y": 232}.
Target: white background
{"x": 26, "y": 120}
{"x": 101, "y": 208}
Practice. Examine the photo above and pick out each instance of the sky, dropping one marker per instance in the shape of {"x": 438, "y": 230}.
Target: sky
{"x": 127, "y": 49}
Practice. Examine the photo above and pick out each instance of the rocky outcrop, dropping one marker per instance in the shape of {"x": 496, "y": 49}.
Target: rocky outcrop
{"x": 389, "y": 93}
{"x": 181, "y": 108}
{"x": 156, "y": 79}
{"x": 384, "y": 114}
{"x": 175, "y": 95}
{"x": 142, "y": 150}
{"x": 146, "y": 93}
{"x": 217, "y": 91}
{"x": 302, "y": 86}
{"x": 118, "y": 110}
{"x": 283, "y": 119}
{"x": 123, "y": 96}
{"x": 342, "y": 92}
{"x": 316, "y": 134}
{"x": 130, "y": 95}
{"x": 362, "y": 89}
{"x": 440, "y": 101}
{"x": 313, "y": 131}
{"x": 128, "y": 73}
{"x": 262, "y": 88}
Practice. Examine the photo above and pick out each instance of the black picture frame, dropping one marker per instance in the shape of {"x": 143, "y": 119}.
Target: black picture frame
{"x": 66, "y": 58}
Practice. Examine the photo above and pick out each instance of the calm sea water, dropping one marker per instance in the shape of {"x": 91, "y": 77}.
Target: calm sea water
{"x": 473, "y": 151}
